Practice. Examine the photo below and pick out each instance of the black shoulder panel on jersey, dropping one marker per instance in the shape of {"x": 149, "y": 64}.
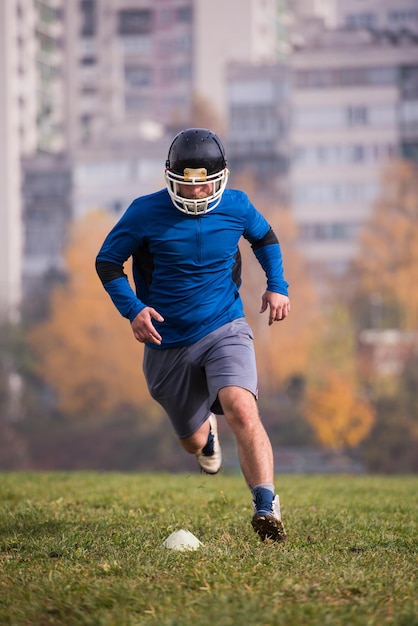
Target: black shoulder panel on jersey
{"x": 267, "y": 240}
{"x": 108, "y": 271}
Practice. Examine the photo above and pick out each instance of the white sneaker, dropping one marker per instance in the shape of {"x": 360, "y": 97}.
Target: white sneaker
{"x": 210, "y": 457}
{"x": 267, "y": 521}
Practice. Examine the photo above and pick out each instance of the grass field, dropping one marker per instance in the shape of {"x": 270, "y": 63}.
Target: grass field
{"x": 85, "y": 549}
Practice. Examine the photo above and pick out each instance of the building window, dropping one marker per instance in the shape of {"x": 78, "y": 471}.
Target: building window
{"x": 136, "y": 44}
{"x": 88, "y": 17}
{"x": 88, "y": 61}
{"x": 357, "y": 116}
{"x": 137, "y": 76}
{"x": 345, "y": 77}
{"x": 137, "y": 103}
{"x": 409, "y": 115}
{"x": 184, "y": 43}
{"x": 361, "y": 20}
{"x": 135, "y": 21}
{"x": 403, "y": 19}
{"x": 410, "y": 150}
{"x": 381, "y": 75}
{"x": 330, "y": 231}
{"x": 335, "y": 193}
{"x": 185, "y": 14}
{"x": 408, "y": 78}
{"x": 317, "y": 118}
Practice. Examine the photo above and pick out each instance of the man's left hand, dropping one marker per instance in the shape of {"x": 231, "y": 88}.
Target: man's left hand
{"x": 279, "y": 306}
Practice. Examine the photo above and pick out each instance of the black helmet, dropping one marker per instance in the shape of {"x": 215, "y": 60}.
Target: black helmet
{"x": 196, "y": 155}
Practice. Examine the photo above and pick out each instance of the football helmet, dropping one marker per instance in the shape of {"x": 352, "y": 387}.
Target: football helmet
{"x": 196, "y": 157}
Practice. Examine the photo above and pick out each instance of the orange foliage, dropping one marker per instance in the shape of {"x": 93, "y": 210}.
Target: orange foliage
{"x": 85, "y": 350}
{"x": 283, "y": 348}
{"x": 339, "y": 417}
{"x": 388, "y": 259}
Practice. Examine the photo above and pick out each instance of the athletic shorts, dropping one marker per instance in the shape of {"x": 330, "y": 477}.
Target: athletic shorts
{"x": 185, "y": 381}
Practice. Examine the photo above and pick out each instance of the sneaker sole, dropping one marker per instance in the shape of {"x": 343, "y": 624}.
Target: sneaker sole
{"x": 203, "y": 471}
{"x": 268, "y": 527}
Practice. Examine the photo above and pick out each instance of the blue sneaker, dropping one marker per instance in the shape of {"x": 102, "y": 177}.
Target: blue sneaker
{"x": 267, "y": 521}
{"x": 210, "y": 457}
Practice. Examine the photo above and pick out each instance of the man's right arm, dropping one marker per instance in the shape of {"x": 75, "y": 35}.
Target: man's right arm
{"x": 116, "y": 284}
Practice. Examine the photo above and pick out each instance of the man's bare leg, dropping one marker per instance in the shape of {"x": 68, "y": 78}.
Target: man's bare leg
{"x": 256, "y": 459}
{"x": 254, "y": 448}
{"x": 204, "y": 443}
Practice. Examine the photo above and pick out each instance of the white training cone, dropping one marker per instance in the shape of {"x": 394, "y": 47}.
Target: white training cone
{"x": 182, "y": 540}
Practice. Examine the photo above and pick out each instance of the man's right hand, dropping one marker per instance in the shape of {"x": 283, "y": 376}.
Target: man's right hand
{"x": 143, "y": 327}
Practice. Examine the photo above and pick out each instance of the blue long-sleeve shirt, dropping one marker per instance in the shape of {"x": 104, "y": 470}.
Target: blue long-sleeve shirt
{"x": 187, "y": 267}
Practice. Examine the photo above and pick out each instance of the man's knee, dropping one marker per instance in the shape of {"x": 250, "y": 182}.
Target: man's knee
{"x": 239, "y": 406}
{"x": 197, "y": 441}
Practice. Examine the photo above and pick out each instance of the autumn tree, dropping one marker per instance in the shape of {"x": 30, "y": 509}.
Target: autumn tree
{"x": 335, "y": 405}
{"x": 339, "y": 416}
{"x": 387, "y": 263}
{"x": 85, "y": 351}
{"x": 383, "y": 283}
{"x": 283, "y": 348}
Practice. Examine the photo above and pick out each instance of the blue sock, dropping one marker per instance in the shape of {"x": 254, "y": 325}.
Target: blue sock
{"x": 208, "y": 450}
{"x": 263, "y": 496}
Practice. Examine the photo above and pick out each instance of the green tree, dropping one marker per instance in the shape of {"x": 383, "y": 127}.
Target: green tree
{"x": 392, "y": 446}
{"x": 13, "y": 446}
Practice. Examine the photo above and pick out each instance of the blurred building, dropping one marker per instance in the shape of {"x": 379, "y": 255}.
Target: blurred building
{"x": 48, "y": 210}
{"x": 91, "y": 91}
{"x": 135, "y": 64}
{"x": 46, "y": 169}
{"x": 132, "y": 67}
{"x": 324, "y": 124}
{"x": 378, "y": 15}
{"x": 226, "y": 32}
{"x": 32, "y": 123}
{"x": 142, "y": 70}
{"x": 259, "y": 125}
{"x": 354, "y": 109}
{"x": 385, "y": 352}
{"x": 110, "y": 177}
{"x": 10, "y": 201}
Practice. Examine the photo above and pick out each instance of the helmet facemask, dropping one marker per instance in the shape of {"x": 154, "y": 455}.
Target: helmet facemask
{"x": 193, "y": 177}
{"x": 196, "y": 158}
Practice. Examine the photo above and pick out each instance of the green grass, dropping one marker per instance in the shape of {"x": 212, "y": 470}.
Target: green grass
{"x": 85, "y": 549}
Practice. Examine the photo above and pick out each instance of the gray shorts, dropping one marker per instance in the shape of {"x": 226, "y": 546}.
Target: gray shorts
{"x": 186, "y": 381}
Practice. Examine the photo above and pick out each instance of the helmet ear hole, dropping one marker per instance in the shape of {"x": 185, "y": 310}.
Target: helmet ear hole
{"x": 196, "y": 155}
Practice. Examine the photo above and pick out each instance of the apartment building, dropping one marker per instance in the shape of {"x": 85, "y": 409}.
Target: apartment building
{"x": 378, "y": 15}
{"x": 104, "y": 84}
{"x": 129, "y": 62}
{"x": 45, "y": 170}
{"x": 354, "y": 109}
{"x": 132, "y": 83}
{"x": 132, "y": 63}
{"x": 10, "y": 202}
{"x": 259, "y": 125}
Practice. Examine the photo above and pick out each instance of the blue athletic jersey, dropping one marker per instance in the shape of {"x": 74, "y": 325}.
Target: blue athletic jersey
{"x": 187, "y": 267}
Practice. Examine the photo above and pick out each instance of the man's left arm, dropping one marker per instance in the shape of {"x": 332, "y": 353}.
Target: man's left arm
{"x": 268, "y": 253}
